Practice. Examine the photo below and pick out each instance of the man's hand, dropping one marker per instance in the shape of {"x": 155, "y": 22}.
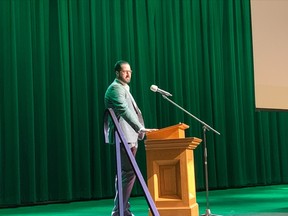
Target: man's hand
{"x": 143, "y": 131}
{"x": 147, "y": 130}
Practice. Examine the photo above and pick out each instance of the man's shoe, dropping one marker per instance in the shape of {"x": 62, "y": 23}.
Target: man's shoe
{"x": 126, "y": 213}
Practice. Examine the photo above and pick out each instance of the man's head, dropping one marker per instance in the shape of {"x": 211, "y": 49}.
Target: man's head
{"x": 123, "y": 71}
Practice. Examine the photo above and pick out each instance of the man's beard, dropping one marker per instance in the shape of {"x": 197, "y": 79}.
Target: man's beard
{"x": 127, "y": 81}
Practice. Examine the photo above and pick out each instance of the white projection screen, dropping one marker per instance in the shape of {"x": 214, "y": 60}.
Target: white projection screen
{"x": 270, "y": 51}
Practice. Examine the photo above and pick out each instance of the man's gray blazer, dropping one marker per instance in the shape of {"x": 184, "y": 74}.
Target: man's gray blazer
{"x": 127, "y": 112}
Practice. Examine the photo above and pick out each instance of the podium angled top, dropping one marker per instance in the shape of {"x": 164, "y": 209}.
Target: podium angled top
{"x": 171, "y": 132}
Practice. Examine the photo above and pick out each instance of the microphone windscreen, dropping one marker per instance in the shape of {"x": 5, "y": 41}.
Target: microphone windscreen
{"x": 154, "y": 88}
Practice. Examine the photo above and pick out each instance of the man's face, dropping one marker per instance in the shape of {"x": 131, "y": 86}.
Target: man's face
{"x": 125, "y": 74}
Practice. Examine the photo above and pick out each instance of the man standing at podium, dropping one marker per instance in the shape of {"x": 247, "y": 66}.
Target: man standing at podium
{"x": 119, "y": 98}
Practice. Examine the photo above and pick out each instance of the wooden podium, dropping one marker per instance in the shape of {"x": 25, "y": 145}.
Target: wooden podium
{"x": 170, "y": 171}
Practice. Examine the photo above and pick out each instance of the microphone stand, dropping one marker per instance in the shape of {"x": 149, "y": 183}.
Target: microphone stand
{"x": 205, "y": 127}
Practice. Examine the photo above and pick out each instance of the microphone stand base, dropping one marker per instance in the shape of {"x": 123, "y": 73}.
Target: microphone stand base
{"x": 208, "y": 213}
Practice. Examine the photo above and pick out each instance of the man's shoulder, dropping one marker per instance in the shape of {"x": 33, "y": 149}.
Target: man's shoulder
{"x": 115, "y": 87}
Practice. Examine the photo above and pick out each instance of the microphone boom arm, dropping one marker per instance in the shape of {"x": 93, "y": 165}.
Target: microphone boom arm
{"x": 203, "y": 123}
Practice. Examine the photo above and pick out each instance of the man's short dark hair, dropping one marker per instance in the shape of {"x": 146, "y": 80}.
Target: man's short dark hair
{"x": 118, "y": 65}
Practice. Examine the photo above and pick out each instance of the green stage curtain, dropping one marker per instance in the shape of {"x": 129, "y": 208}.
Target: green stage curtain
{"x": 56, "y": 61}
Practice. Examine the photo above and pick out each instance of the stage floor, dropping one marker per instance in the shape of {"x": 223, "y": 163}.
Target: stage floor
{"x": 249, "y": 201}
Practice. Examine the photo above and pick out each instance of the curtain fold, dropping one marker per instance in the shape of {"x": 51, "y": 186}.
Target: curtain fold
{"x": 56, "y": 61}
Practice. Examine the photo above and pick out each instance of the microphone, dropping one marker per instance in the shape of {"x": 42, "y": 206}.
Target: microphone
{"x": 155, "y": 88}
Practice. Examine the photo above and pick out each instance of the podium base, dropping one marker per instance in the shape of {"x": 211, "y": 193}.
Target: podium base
{"x": 183, "y": 211}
